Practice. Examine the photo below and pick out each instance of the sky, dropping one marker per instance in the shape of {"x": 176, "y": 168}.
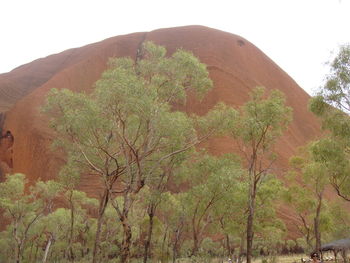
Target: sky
{"x": 299, "y": 35}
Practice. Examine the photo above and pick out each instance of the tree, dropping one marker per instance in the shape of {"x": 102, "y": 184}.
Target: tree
{"x": 173, "y": 209}
{"x": 157, "y": 185}
{"x": 69, "y": 178}
{"x": 24, "y": 210}
{"x": 337, "y": 219}
{"x": 309, "y": 197}
{"x": 54, "y": 228}
{"x": 261, "y": 122}
{"x": 332, "y": 105}
{"x": 212, "y": 180}
{"x": 127, "y": 128}
{"x": 230, "y": 216}
{"x": 268, "y": 228}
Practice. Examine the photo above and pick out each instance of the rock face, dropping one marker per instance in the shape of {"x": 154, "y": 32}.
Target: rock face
{"x": 236, "y": 66}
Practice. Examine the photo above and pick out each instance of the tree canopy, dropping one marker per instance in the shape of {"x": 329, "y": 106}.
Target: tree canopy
{"x": 127, "y": 128}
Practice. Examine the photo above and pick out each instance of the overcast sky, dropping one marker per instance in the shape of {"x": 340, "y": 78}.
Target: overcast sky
{"x": 299, "y": 35}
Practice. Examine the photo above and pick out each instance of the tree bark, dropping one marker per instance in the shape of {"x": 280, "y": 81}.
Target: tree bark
{"x": 71, "y": 233}
{"x": 47, "y": 248}
{"x": 125, "y": 255}
{"x": 250, "y": 220}
{"x": 18, "y": 243}
{"x": 177, "y": 239}
{"x": 18, "y": 253}
{"x": 195, "y": 243}
{"x": 228, "y": 246}
{"x": 101, "y": 210}
{"x": 194, "y": 233}
{"x": 163, "y": 241}
{"x": 227, "y": 238}
{"x": 150, "y": 231}
{"x": 317, "y": 224}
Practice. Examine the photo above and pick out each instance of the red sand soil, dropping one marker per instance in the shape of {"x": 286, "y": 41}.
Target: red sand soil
{"x": 236, "y": 66}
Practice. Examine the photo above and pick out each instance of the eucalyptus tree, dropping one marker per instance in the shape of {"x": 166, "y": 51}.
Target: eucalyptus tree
{"x": 76, "y": 201}
{"x": 308, "y": 198}
{"x": 231, "y": 216}
{"x": 338, "y": 220}
{"x": 301, "y": 199}
{"x": 55, "y": 227}
{"x": 332, "y": 105}
{"x": 261, "y": 122}
{"x": 267, "y": 223}
{"x": 175, "y": 223}
{"x": 211, "y": 180}
{"x": 158, "y": 187}
{"x": 25, "y": 209}
{"x": 127, "y": 127}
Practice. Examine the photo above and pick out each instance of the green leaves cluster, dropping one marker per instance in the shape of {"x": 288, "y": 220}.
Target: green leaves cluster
{"x": 263, "y": 119}
{"x": 331, "y": 104}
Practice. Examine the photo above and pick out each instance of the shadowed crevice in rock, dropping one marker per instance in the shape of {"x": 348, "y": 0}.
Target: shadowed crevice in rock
{"x": 6, "y": 153}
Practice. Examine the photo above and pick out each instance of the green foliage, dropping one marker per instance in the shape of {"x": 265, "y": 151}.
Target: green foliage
{"x": 129, "y": 108}
{"x": 338, "y": 220}
{"x": 332, "y": 105}
{"x": 25, "y": 209}
{"x": 290, "y": 244}
{"x": 218, "y": 120}
{"x": 337, "y": 87}
{"x": 127, "y": 130}
{"x": 213, "y": 183}
{"x": 261, "y": 121}
{"x": 263, "y": 118}
{"x": 308, "y": 181}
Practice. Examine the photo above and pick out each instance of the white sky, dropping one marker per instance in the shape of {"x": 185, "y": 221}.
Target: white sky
{"x": 298, "y": 35}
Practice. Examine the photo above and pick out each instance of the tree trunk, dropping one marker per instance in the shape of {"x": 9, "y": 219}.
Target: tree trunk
{"x": 195, "y": 243}
{"x": 18, "y": 253}
{"x": 18, "y": 243}
{"x": 150, "y": 231}
{"x": 250, "y": 221}
{"x": 317, "y": 224}
{"x": 47, "y": 248}
{"x": 71, "y": 233}
{"x": 250, "y": 236}
{"x": 101, "y": 210}
{"x": 163, "y": 242}
{"x": 227, "y": 239}
{"x": 195, "y": 235}
{"x": 228, "y": 246}
{"x": 175, "y": 248}
{"x": 125, "y": 255}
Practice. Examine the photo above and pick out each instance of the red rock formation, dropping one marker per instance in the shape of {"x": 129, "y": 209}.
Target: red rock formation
{"x": 236, "y": 66}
